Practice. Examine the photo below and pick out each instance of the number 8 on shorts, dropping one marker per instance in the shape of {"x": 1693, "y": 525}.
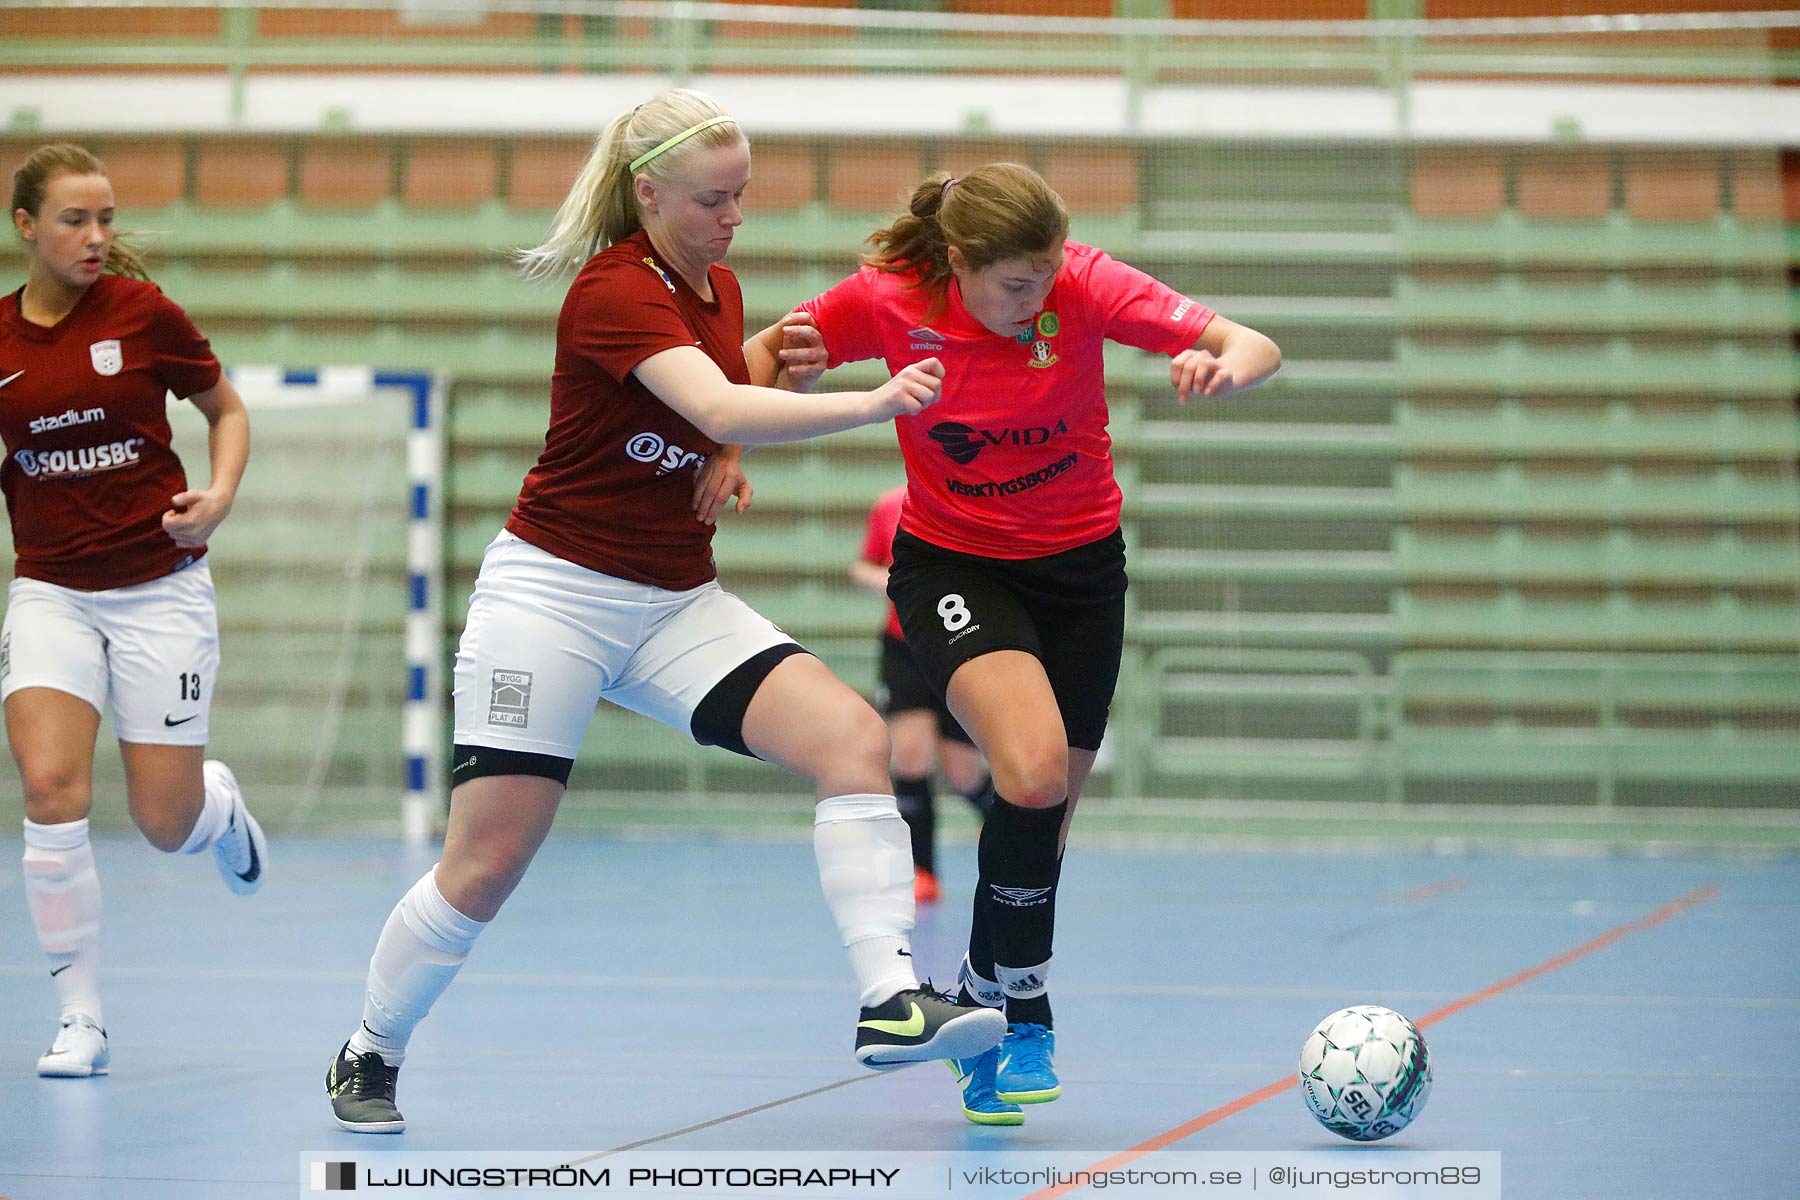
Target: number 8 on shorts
{"x": 955, "y": 612}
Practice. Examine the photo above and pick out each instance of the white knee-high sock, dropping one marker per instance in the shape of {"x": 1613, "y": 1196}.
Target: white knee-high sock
{"x": 213, "y": 821}
{"x": 865, "y": 866}
{"x": 63, "y": 892}
{"x": 423, "y": 945}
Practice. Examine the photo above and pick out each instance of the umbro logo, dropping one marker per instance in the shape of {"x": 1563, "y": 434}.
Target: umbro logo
{"x": 1020, "y": 897}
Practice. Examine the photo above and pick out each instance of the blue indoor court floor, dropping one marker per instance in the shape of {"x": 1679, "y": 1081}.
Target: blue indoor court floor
{"x": 1614, "y": 1026}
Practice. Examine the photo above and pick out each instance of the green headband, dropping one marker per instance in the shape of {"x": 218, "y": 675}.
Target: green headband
{"x": 638, "y": 162}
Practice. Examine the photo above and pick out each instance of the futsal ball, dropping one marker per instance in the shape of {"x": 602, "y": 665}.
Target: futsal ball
{"x": 1365, "y": 1072}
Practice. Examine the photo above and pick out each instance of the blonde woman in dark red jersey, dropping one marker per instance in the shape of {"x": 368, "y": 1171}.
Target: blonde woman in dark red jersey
{"x": 112, "y": 600}
{"x": 1008, "y": 568}
{"x": 602, "y": 585}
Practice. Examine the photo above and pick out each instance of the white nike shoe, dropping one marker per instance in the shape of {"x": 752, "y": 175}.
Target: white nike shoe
{"x": 241, "y": 851}
{"x": 78, "y": 1051}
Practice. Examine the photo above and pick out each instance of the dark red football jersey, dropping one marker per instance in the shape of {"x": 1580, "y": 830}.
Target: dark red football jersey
{"x": 84, "y": 413}
{"x": 613, "y": 490}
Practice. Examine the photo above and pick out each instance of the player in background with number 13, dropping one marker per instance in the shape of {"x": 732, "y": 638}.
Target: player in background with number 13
{"x": 113, "y": 600}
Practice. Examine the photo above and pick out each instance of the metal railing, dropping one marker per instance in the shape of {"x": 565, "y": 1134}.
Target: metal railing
{"x": 684, "y": 41}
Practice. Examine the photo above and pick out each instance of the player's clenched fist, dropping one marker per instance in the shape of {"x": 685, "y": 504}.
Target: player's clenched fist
{"x": 802, "y": 355}
{"x": 911, "y": 390}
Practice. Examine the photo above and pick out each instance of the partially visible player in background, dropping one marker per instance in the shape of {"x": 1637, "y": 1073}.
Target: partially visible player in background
{"x": 925, "y": 735}
{"x": 1009, "y": 566}
{"x": 112, "y": 600}
{"x": 602, "y": 585}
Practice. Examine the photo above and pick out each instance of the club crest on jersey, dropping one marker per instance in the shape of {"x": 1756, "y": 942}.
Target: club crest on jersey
{"x": 1043, "y": 354}
{"x": 108, "y": 358}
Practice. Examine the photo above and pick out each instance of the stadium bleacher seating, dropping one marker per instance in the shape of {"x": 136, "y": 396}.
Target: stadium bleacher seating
{"x": 1532, "y": 454}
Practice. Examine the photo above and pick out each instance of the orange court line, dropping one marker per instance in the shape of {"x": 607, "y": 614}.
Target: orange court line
{"x": 1673, "y": 908}
{"x": 1431, "y": 891}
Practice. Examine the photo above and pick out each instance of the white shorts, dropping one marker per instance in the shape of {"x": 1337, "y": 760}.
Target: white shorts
{"x": 546, "y": 640}
{"x": 151, "y": 649}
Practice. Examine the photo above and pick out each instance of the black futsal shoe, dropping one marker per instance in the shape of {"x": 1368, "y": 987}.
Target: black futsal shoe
{"x": 361, "y": 1088}
{"x": 921, "y": 1024}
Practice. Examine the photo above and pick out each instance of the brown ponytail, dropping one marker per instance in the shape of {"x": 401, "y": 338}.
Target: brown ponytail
{"x": 994, "y": 213}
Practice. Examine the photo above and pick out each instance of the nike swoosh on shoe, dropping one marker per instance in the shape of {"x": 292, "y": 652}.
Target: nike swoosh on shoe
{"x": 913, "y": 1026}
{"x": 255, "y": 863}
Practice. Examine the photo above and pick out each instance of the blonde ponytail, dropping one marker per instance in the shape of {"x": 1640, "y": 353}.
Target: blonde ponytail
{"x": 601, "y": 207}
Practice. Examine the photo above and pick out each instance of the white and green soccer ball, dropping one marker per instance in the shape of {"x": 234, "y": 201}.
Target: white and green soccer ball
{"x": 1365, "y": 1072}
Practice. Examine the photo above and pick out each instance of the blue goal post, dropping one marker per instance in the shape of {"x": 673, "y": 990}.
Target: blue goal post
{"x": 324, "y": 426}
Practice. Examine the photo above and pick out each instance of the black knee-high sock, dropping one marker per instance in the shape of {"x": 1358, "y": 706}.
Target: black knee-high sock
{"x": 1015, "y": 905}
{"x": 918, "y": 808}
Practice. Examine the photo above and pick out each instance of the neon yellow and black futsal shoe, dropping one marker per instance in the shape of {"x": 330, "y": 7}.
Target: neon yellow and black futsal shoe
{"x": 921, "y": 1024}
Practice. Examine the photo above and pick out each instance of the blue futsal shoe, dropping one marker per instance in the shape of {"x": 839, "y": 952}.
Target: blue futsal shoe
{"x": 979, "y": 1103}
{"x": 1024, "y": 1074}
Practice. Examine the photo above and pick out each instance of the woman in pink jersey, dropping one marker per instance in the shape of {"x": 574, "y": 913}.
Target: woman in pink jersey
{"x": 926, "y": 737}
{"x": 1009, "y": 567}
{"x": 602, "y": 586}
{"x": 112, "y": 600}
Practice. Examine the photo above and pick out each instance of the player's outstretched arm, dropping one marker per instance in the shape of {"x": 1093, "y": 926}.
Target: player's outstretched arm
{"x": 689, "y": 382}
{"x": 1225, "y": 358}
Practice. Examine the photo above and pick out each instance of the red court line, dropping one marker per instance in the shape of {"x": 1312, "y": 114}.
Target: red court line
{"x": 1430, "y": 891}
{"x": 1673, "y": 908}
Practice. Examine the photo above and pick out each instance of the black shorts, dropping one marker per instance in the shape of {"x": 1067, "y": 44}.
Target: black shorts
{"x": 1066, "y": 610}
{"x": 904, "y": 689}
